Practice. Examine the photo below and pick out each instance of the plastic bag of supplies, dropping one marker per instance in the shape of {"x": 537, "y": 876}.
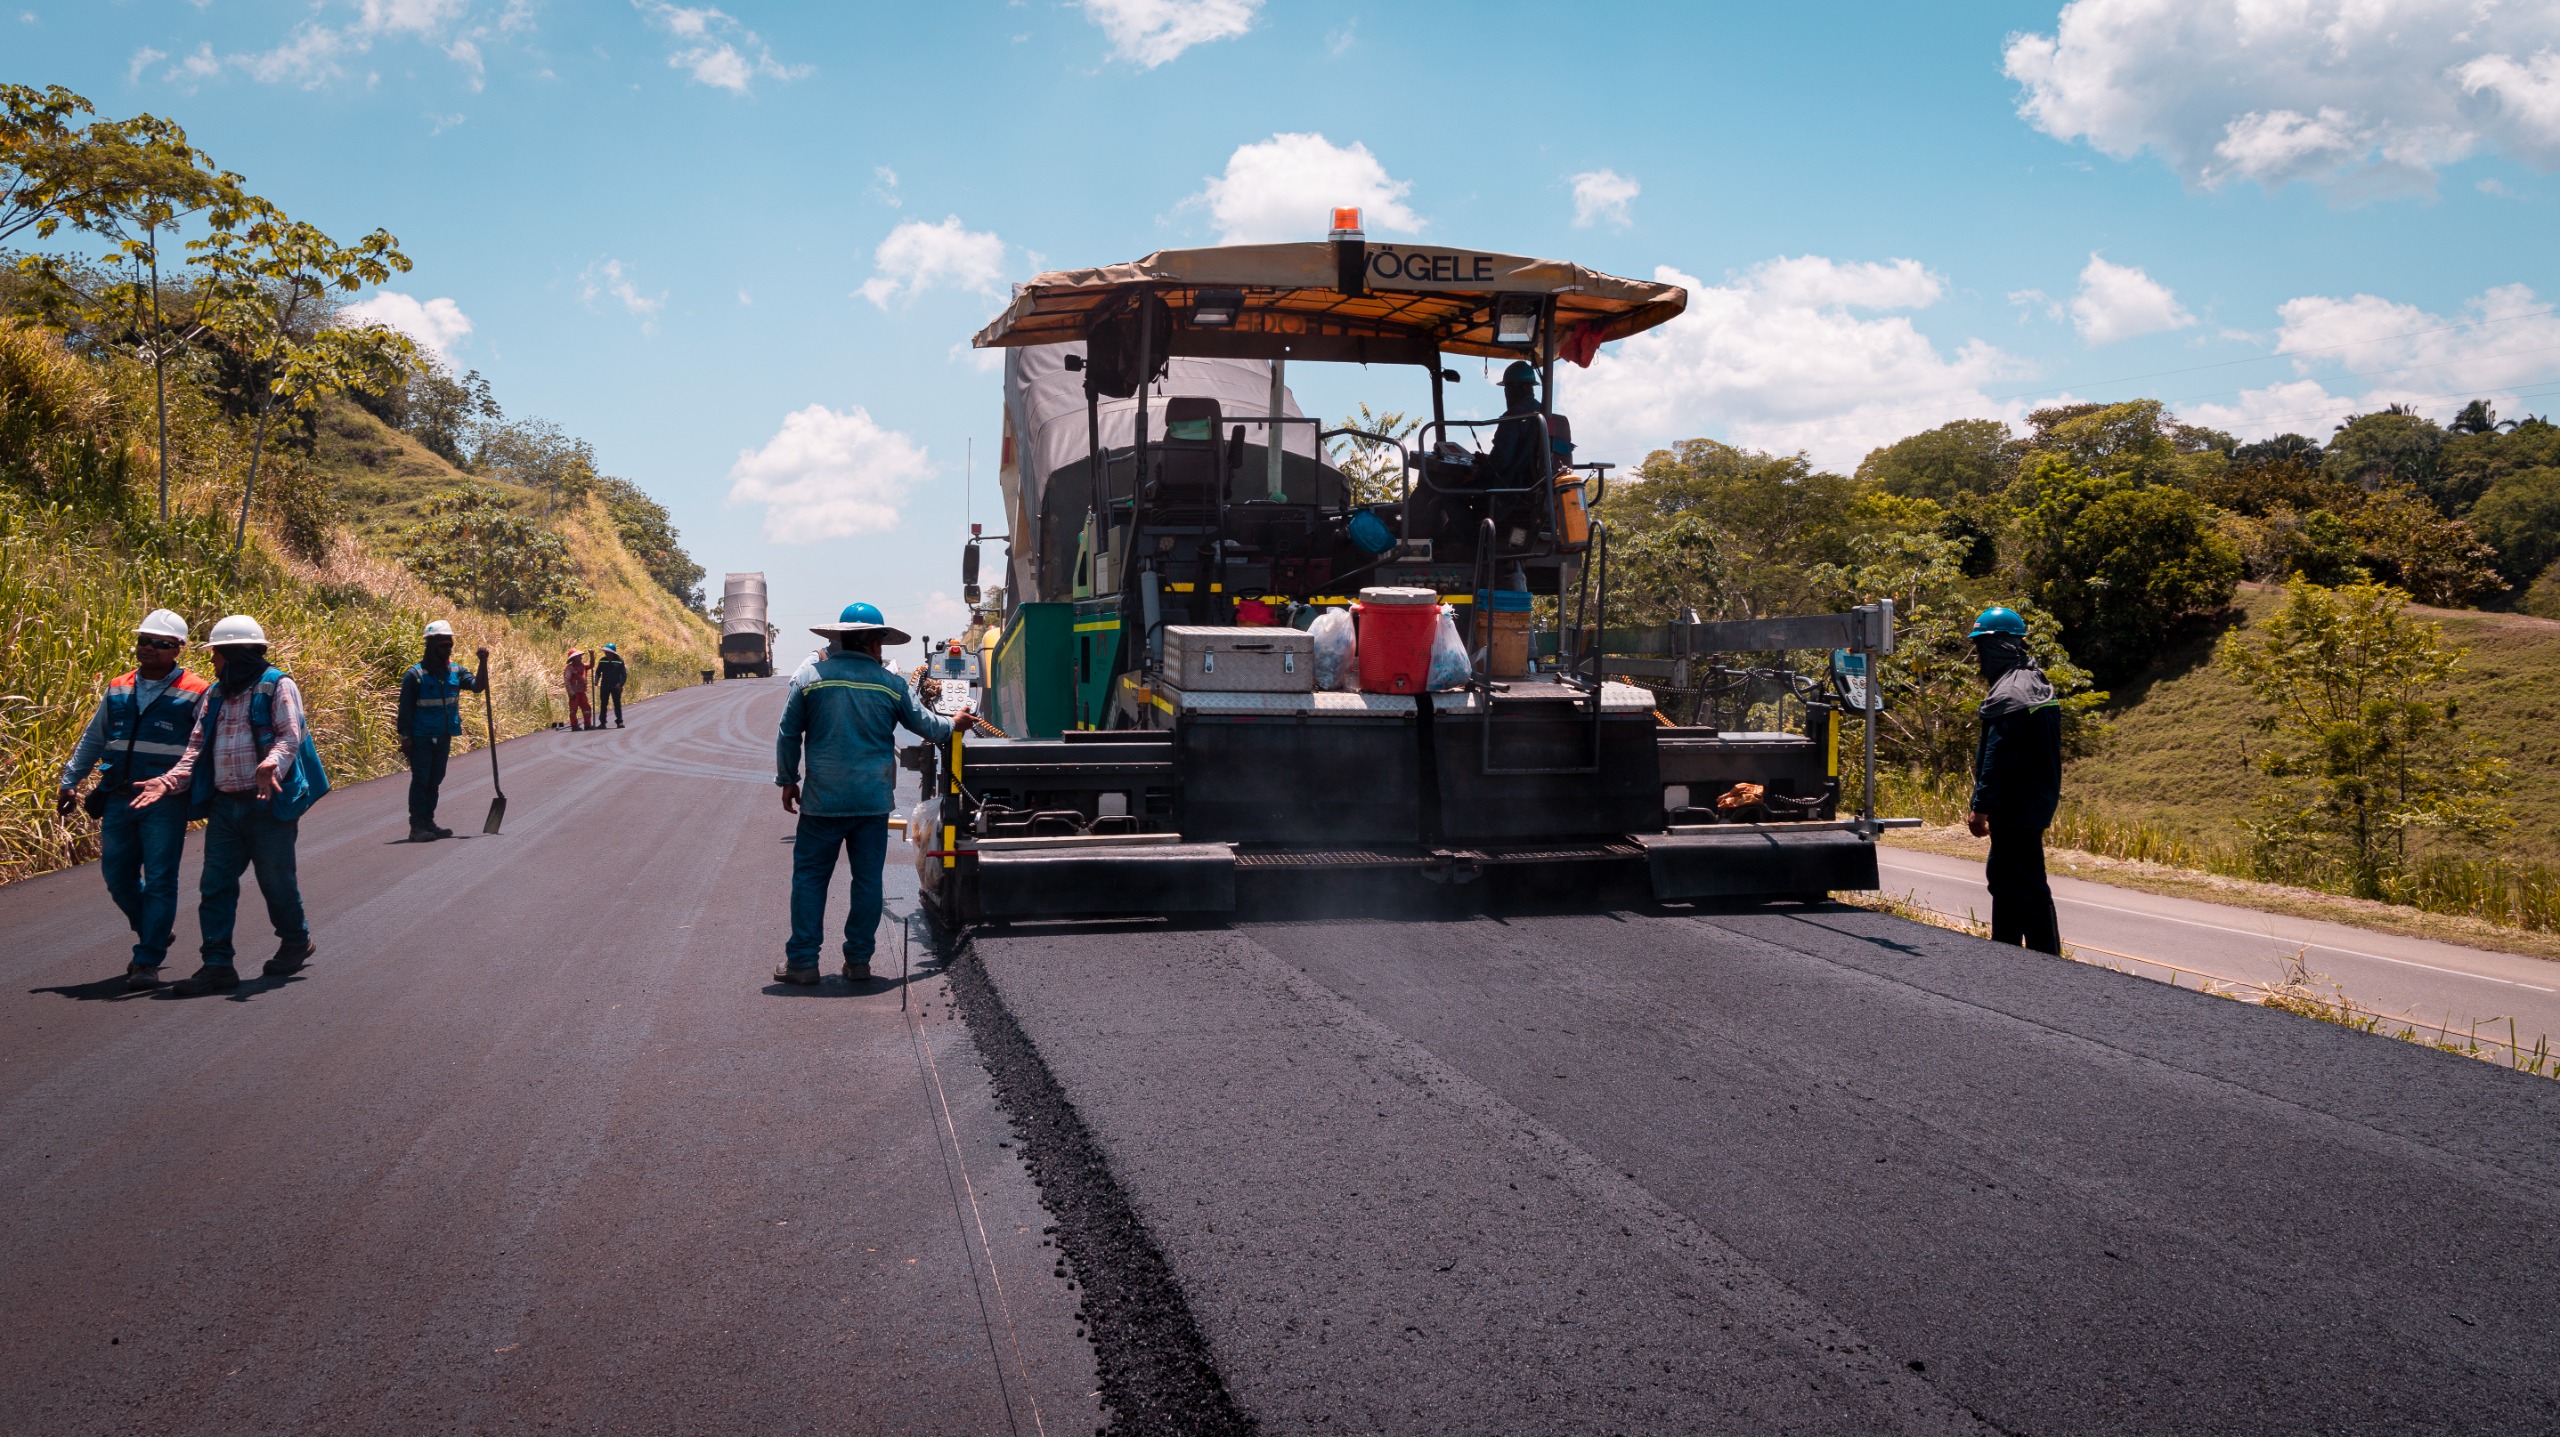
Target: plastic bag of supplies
{"x": 1450, "y": 666}
{"x": 1337, "y": 650}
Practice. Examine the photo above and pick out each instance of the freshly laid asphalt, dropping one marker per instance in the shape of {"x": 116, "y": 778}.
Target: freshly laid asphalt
{"x": 1796, "y": 1170}
{"x": 534, "y": 1145}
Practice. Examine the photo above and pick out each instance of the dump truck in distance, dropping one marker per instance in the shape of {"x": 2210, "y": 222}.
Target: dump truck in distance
{"x": 746, "y": 639}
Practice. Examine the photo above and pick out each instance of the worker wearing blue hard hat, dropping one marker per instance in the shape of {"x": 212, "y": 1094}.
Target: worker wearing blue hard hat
{"x": 841, "y": 715}
{"x": 2017, "y": 780}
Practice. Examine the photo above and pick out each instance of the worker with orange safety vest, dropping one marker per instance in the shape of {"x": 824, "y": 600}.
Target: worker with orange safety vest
{"x": 139, "y": 730}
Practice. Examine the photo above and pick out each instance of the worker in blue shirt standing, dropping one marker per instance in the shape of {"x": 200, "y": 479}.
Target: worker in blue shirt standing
{"x": 843, "y": 711}
{"x": 139, "y": 730}
{"x": 429, "y": 720}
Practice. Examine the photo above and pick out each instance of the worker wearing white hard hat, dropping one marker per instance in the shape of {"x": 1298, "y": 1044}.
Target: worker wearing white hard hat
{"x": 139, "y": 730}
{"x": 250, "y": 771}
{"x": 429, "y": 720}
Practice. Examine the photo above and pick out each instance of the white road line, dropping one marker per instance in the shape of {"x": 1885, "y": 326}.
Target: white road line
{"x": 2270, "y": 937}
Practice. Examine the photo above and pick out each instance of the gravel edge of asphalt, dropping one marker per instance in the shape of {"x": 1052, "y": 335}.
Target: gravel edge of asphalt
{"x": 1153, "y": 1362}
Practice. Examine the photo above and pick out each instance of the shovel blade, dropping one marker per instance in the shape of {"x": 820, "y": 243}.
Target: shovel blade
{"x": 497, "y": 814}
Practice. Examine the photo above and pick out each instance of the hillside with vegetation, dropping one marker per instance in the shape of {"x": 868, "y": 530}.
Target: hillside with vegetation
{"x": 190, "y": 419}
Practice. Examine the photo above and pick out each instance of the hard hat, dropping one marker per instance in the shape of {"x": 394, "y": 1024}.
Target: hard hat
{"x": 440, "y": 630}
{"x": 162, "y": 624}
{"x": 861, "y": 621}
{"x": 1519, "y": 371}
{"x": 237, "y": 629}
{"x": 574, "y": 651}
{"x": 1999, "y": 619}
{"x": 611, "y": 649}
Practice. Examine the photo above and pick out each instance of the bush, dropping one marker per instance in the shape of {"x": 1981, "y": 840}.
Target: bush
{"x": 2123, "y": 566}
{"x": 474, "y": 549}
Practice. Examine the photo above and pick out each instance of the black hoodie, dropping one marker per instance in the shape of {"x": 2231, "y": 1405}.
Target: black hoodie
{"x": 2018, "y": 767}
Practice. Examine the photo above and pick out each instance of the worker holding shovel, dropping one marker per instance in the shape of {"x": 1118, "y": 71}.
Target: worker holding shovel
{"x": 429, "y": 720}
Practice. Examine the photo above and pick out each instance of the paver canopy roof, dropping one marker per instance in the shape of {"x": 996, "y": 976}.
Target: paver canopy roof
{"x": 1419, "y": 299}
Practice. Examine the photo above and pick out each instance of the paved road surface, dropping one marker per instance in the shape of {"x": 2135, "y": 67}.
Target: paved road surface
{"x": 1800, "y": 1171}
{"x": 532, "y": 1145}
{"x": 2407, "y": 977}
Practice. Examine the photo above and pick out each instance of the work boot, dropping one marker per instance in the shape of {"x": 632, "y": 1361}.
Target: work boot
{"x": 141, "y": 977}
{"x": 856, "y": 972}
{"x": 289, "y": 959}
{"x": 797, "y": 977}
{"x": 617, "y": 723}
{"x": 425, "y": 833}
{"x": 211, "y": 978}
{"x": 443, "y": 832}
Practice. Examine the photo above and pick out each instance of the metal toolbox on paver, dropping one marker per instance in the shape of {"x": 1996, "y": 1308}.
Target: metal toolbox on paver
{"x": 1199, "y": 659}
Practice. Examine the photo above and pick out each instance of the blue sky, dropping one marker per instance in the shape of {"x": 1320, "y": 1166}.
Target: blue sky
{"x": 742, "y": 249}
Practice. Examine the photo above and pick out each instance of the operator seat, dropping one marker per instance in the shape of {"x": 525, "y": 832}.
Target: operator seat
{"x": 1191, "y": 464}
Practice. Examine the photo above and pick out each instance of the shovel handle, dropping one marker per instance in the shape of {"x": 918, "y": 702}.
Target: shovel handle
{"x": 489, "y": 711}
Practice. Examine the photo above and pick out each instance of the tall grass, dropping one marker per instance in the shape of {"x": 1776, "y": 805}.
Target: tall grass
{"x": 2494, "y": 890}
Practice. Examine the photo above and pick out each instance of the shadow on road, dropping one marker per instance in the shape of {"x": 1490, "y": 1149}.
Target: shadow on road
{"x": 112, "y": 990}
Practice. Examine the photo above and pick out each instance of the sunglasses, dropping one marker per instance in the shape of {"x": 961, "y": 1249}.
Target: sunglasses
{"x": 162, "y": 643}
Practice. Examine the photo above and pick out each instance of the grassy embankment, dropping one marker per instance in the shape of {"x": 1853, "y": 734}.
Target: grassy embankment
{"x": 82, "y": 556}
{"x": 2161, "y": 805}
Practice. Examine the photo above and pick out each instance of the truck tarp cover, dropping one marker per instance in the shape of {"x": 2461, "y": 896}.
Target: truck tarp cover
{"x": 742, "y": 604}
{"x": 1044, "y": 414}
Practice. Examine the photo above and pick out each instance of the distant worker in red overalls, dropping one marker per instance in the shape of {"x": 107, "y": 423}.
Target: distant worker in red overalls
{"x": 574, "y": 678}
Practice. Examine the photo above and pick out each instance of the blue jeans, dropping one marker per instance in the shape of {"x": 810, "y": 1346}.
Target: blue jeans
{"x": 865, "y": 841}
{"x": 427, "y": 759}
{"x": 241, "y": 835}
{"x": 139, "y": 850}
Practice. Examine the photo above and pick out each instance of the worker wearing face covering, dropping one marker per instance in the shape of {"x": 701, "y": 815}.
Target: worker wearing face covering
{"x": 250, "y": 772}
{"x": 2017, "y": 781}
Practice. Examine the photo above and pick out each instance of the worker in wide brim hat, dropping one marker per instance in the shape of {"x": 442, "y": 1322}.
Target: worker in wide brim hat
{"x": 573, "y": 677}
{"x": 2017, "y": 780}
{"x": 842, "y": 714}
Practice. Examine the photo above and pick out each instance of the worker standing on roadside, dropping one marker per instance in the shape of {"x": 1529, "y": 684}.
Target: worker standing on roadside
{"x": 844, "y": 708}
{"x": 2017, "y": 781}
{"x": 429, "y": 720}
{"x": 250, "y": 772}
{"x": 139, "y": 730}
{"x": 610, "y": 673}
{"x": 574, "y": 679}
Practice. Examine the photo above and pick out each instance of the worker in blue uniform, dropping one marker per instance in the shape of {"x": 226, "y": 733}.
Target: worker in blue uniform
{"x": 139, "y": 730}
{"x": 429, "y": 719}
{"x": 842, "y": 714}
{"x": 2017, "y": 781}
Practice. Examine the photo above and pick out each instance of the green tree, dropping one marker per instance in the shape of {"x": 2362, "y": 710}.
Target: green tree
{"x": 1772, "y": 518}
{"x": 2366, "y": 751}
{"x": 537, "y": 455}
{"x": 475, "y": 549}
{"x": 272, "y": 281}
{"x": 2520, "y": 518}
{"x": 2136, "y": 440}
{"x": 2391, "y": 444}
{"x": 649, "y": 532}
{"x": 1970, "y": 457}
{"x": 2473, "y": 462}
{"x": 2409, "y": 542}
{"x": 1372, "y": 470}
{"x": 2121, "y": 565}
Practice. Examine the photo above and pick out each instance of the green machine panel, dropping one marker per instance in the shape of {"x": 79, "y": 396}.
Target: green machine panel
{"x": 1054, "y": 668}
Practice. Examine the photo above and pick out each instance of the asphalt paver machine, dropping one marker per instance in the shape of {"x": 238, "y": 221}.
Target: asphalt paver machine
{"x": 1176, "y": 523}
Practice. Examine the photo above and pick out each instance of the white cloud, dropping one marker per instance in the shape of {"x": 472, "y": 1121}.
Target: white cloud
{"x": 1153, "y": 32}
{"x": 317, "y": 54}
{"x": 2119, "y": 301}
{"x": 611, "y": 277}
{"x": 2366, "y": 96}
{"x": 1781, "y": 358}
{"x": 715, "y": 49}
{"x": 143, "y": 59}
{"x": 917, "y": 257}
{"x": 829, "y": 475}
{"x": 1603, "y": 195}
{"x": 1287, "y": 188}
{"x": 436, "y": 324}
{"x": 885, "y": 186}
{"x": 2377, "y": 352}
